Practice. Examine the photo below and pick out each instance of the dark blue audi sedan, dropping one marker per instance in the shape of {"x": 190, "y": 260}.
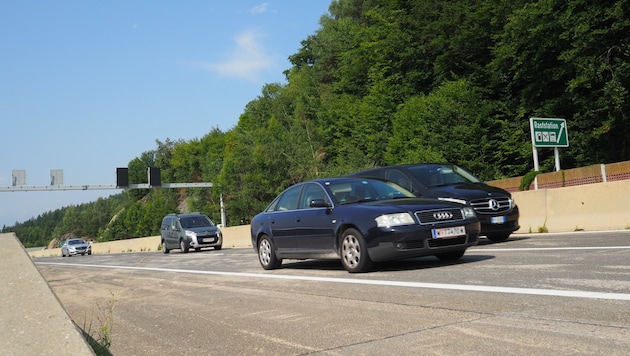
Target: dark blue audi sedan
{"x": 360, "y": 221}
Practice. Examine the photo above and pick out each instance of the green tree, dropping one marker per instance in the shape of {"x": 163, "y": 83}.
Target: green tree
{"x": 570, "y": 60}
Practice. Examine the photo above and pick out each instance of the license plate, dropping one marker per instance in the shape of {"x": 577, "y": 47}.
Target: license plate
{"x": 497, "y": 220}
{"x": 448, "y": 232}
{"x": 208, "y": 239}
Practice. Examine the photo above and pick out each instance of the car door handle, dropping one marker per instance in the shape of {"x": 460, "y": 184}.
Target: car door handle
{"x": 298, "y": 220}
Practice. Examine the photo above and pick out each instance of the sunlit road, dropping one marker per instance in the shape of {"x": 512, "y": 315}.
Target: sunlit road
{"x": 556, "y": 294}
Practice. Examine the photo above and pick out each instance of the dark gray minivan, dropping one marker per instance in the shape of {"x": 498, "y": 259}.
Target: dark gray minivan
{"x": 494, "y": 206}
{"x": 185, "y": 231}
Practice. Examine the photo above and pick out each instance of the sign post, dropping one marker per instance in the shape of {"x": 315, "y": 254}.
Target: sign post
{"x": 548, "y": 132}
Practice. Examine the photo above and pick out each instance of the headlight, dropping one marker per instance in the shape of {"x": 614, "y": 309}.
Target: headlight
{"x": 191, "y": 234}
{"x": 394, "y": 220}
{"x": 468, "y": 212}
{"x": 454, "y": 200}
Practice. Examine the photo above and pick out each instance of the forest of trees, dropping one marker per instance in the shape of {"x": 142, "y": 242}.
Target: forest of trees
{"x": 394, "y": 81}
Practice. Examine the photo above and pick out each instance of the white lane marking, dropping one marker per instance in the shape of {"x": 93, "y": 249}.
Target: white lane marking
{"x": 480, "y": 248}
{"x": 462, "y": 287}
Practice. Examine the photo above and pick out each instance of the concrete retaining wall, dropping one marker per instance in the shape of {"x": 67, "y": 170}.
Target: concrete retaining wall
{"x": 598, "y": 206}
{"x": 236, "y": 236}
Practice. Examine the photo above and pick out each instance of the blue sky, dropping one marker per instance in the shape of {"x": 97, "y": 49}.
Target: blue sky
{"x": 86, "y": 86}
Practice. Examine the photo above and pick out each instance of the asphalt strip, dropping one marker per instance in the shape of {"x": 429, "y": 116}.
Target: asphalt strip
{"x": 462, "y": 287}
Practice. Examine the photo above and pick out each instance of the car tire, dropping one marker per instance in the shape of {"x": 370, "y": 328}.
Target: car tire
{"x": 218, "y": 247}
{"x": 353, "y": 252}
{"x": 183, "y": 245}
{"x": 498, "y": 237}
{"x": 63, "y": 254}
{"x": 165, "y": 248}
{"x": 450, "y": 256}
{"x": 267, "y": 254}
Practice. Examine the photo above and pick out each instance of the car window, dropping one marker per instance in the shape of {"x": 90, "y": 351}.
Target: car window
{"x": 311, "y": 192}
{"x": 435, "y": 175}
{"x": 289, "y": 200}
{"x": 195, "y": 221}
{"x": 272, "y": 206}
{"x": 168, "y": 222}
{"x": 353, "y": 191}
{"x": 398, "y": 177}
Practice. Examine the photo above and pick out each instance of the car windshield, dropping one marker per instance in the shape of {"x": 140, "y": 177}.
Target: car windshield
{"x": 195, "y": 221}
{"x": 433, "y": 175}
{"x": 362, "y": 190}
{"x": 75, "y": 242}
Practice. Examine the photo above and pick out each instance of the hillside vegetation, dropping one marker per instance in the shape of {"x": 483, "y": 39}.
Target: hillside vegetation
{"x": 386, "y": 82}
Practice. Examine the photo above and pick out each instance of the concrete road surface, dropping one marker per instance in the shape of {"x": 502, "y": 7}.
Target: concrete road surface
{"x": 542, "y": 294}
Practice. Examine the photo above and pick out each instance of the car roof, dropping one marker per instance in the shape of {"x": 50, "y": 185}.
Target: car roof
{"x": 186, "y": 214}
{"x": 407, "y": 165}
{"x": 323, "y": 181}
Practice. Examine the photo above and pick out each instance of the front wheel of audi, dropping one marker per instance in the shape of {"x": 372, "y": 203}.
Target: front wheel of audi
{"x": 353, "y": 252}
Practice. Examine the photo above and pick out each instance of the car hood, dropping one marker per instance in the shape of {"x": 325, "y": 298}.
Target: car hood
{"x": 407, "y": 204}
{"x": 201, "y": 229}
{"x": 468, "y": 191}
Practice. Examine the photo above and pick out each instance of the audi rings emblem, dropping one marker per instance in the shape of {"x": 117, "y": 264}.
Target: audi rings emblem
{"x": 442, "y": 215}
{"x": 493, "y": 204}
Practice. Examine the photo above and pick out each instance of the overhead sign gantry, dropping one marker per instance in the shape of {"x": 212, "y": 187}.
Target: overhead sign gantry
{"x": 122, "y": 182}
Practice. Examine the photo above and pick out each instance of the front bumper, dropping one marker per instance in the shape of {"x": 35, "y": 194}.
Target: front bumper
{"x": 489, "y": 223}
{"x": 206, "y": 241}
{"x": 417, "y": 241}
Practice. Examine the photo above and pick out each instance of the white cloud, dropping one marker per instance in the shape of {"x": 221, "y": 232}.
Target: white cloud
{"x": 259, "y": 9}
{"x": 245, "y": 61}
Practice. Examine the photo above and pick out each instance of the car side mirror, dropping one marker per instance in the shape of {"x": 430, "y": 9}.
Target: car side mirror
{"x": 319, "y": 203}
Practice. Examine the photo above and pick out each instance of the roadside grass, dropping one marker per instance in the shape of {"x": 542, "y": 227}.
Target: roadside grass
{"x": 100, "y": 338}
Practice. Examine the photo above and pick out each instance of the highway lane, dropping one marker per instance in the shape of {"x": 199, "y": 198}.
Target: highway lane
{"x": 554, "y": 294}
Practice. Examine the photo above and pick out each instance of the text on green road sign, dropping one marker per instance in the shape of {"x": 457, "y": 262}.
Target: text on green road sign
{"x": 546, "y": 125}
{"x": 549, "y": 132}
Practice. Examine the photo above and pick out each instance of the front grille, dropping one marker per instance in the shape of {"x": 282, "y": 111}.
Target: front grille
{"x": 492, "y": 205}
{"x": 439, "y": 216}
{"x": 434, "y": 243}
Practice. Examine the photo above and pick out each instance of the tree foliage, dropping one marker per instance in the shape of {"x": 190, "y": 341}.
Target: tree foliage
{"x": 388, "y": 82}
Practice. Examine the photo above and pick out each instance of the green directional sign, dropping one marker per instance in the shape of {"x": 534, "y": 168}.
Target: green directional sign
{"x": 549, "y": 132}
